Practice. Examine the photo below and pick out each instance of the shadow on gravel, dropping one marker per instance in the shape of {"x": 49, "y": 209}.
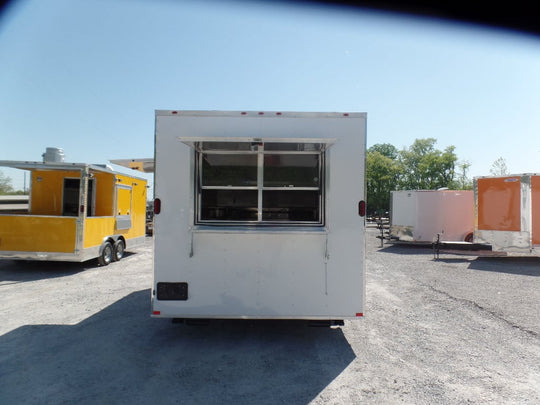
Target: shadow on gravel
{"x": 453, "y": 260}
{"x": 527, "y": 266}
{"x": 23, "y": 271}
{"x": 20, "y": 271}
{"x": 121, "y": 355}
{"x": 407, "y": 249}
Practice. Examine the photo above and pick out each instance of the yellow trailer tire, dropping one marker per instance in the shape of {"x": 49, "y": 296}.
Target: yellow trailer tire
{"x": 106, "y": 254}
{"x": 118, "y": 250}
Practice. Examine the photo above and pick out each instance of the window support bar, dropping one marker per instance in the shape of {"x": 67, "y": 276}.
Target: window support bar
{"x": 260, "y": 182}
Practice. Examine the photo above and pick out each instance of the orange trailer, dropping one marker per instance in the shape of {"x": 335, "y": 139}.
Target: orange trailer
{"x": 507, "y": 212}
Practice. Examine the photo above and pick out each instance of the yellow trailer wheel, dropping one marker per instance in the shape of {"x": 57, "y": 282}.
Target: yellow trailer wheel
{"x": 106, "y": 255}
{"x": 118, "y": 250}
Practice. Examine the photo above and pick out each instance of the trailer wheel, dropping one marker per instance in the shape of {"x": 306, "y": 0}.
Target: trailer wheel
{"x": 469, "y": 238}
{"x": 118, "y": 250}
{"x": 106, "y": 255}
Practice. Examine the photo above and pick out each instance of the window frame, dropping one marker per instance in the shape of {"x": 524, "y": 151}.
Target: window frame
{"x": 258, "y": 148}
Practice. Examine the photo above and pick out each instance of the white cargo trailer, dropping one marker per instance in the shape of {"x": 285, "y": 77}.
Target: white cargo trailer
{"x": 259, "y": 215}
{"x": 425, "y": 215}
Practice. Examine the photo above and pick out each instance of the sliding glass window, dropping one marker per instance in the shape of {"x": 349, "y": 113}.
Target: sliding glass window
{"x": 260, "y": 183}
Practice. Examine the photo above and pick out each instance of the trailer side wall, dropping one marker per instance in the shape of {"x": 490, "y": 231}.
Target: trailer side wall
{"x": 421, "y": 215}
{"x": 30, "y": 233}
{"x": 47, "y": 191}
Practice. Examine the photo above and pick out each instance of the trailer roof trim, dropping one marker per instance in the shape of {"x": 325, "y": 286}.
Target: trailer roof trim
{"x": 198, "y": 143}
{"x": 507, "y": 175}
{"x": 260, "y": 114}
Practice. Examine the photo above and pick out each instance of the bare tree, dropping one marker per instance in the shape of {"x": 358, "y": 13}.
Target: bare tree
{"x": 499, "y": 168}
{"x": 5, "y": 184}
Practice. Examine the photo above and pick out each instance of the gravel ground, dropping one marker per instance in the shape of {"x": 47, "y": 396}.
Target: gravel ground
{"x": 461, "y": 329}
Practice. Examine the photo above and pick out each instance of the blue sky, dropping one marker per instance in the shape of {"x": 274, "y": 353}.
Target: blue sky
{"x": 87, "y": 75}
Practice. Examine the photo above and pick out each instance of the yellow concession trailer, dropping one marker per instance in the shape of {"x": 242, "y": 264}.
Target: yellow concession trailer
{"x": 76, "y": 212}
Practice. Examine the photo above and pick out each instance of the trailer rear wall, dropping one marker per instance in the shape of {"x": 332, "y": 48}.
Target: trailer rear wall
{"x": 260, "y": 215}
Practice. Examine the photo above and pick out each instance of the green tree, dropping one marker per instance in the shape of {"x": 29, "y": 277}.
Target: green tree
{"x": 425, "y": 167}
{"x": 419, "y": 167}
{"x": 382, "y": 171}
{"x": 5, "y": 184}
{"x": 385, "y": 149}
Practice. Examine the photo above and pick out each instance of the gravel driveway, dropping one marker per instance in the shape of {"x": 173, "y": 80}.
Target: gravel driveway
{"x": 461, "y": 329}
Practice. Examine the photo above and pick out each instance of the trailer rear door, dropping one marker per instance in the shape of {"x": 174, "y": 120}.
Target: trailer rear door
{"x": 499, "y": 204}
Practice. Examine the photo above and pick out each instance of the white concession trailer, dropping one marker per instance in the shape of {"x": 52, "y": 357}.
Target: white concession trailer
{"x": 259, "y": 215}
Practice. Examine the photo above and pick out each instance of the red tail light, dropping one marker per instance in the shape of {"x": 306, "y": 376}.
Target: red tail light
{"x": 362, "y": 208}
{"x": 157, "y": 206}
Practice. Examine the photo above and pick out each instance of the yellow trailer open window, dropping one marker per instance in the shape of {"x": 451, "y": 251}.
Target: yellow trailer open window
{"x": 70, "y": 198}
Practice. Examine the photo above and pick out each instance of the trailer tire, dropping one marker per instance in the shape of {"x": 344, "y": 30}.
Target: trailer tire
{"x": 118, "y": 250}
{"x": 469, "y": 237}
{"x": 106, "y": 255}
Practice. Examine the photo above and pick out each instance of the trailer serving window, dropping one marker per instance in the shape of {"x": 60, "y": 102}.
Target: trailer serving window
{"x": 260, "y": 182}
{"x": 70, "y": 203}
